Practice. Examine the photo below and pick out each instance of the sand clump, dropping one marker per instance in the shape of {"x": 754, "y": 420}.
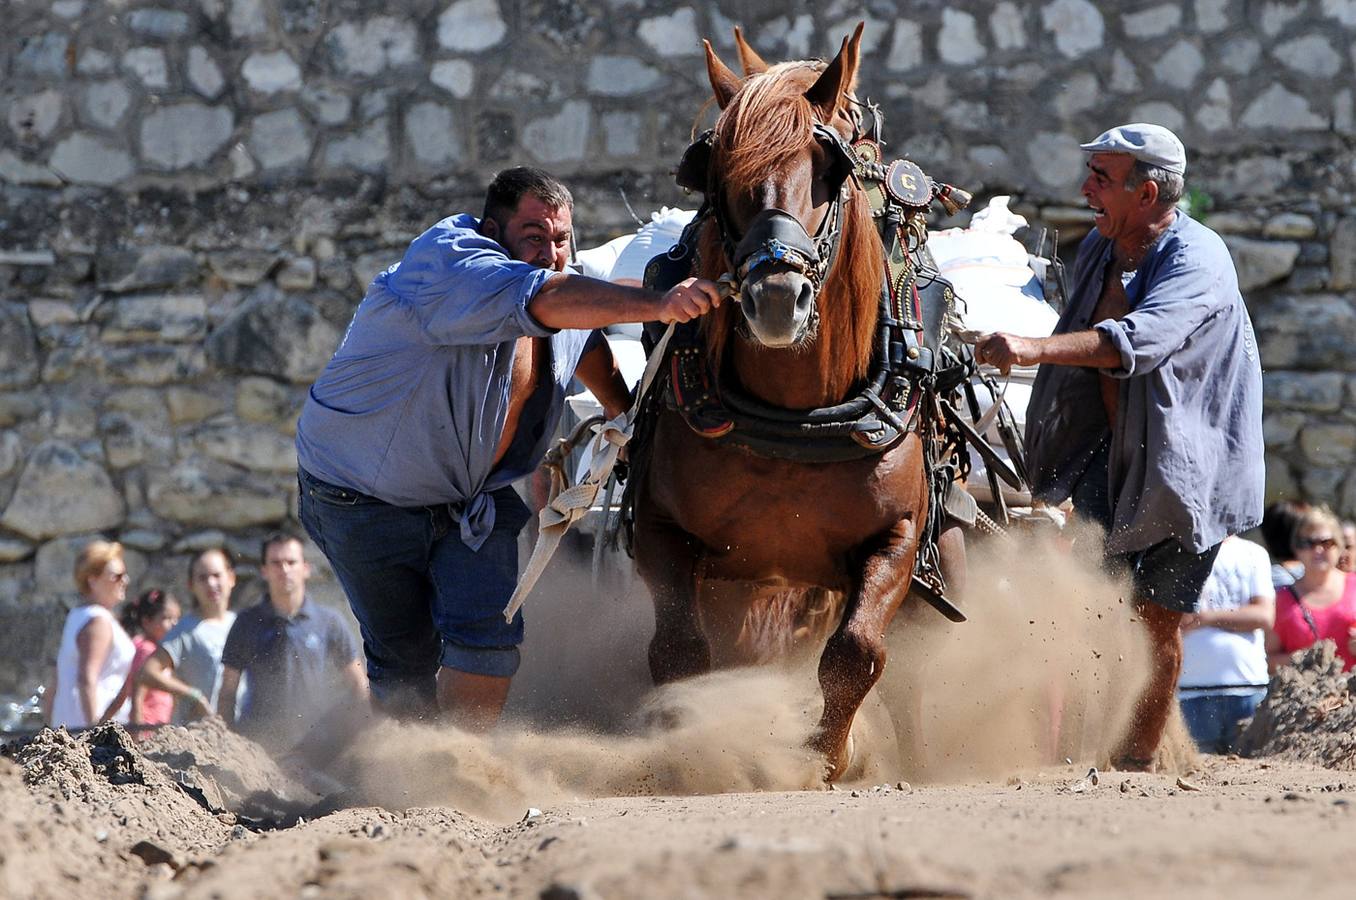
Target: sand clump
{"x": 1309, "y": 713}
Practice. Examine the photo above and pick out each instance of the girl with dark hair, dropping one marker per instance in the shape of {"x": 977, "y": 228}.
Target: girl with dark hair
{"x": 148, "y": 619}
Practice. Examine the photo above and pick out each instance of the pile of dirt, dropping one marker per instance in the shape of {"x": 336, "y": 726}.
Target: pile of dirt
{"x": 1309, "y": 714}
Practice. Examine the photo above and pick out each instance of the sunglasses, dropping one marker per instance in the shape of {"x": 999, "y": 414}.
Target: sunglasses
{"x": 1323, "y": 543}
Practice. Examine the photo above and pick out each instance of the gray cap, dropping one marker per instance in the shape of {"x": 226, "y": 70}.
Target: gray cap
{"x": 1152, "y": 144}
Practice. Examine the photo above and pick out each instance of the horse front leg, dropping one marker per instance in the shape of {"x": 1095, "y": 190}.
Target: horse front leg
{"x": 854, "y": 656}
{"x": 667, "y": 558}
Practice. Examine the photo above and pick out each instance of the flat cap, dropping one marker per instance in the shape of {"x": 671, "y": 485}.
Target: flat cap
{"x": 1152, "y": 144}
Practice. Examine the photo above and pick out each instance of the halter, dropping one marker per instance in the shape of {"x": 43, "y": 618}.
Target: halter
{"x": 774, "y": 235}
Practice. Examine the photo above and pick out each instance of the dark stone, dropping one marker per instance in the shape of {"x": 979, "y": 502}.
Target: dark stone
{"x": 496, "y": 135}
{"x": 18, "y": 347}
{"x": 274, "y": 334}
{"x": 140, "y": 268}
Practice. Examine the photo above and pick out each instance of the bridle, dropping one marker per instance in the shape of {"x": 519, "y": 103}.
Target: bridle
{"x": 774, "y": 235}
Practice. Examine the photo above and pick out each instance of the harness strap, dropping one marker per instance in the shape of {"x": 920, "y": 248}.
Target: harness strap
{"x": 566, "y": 503}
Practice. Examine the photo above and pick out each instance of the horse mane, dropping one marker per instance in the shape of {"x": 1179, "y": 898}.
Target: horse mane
{"x": 767, "y": 122}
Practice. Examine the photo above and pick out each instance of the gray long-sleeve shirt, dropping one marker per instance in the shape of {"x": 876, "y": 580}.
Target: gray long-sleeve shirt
{"x": 1186, "y": 452}
{"x": 411, "y": 407}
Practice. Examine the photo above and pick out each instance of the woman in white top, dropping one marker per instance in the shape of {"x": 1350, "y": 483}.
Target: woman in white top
{"x": 95, "y": 656}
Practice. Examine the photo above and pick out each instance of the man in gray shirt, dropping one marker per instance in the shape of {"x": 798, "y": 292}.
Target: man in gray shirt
{"x": 1147, "y": 409}
{"x": 446, "y": 389}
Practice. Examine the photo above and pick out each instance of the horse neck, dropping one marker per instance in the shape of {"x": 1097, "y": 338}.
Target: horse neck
{"x": 824, "y": 371}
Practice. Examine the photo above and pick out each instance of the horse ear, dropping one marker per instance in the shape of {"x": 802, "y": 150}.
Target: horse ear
{"x": 748, "y": 57}
{"x": 837, "y": 78}
{"x": 724, "y": 83}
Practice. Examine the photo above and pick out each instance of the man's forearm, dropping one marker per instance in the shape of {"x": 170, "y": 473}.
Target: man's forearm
{"x": 576, "y": 301}
{"x": 1091, "y": 348}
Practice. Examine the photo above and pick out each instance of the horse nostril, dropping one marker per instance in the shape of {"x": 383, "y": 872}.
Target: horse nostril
{"x": 806, "y": 298}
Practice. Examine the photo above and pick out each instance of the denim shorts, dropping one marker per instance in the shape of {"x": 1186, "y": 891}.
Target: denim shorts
{"x": 422, "y": 598}
{"x": 1167, "y": 573}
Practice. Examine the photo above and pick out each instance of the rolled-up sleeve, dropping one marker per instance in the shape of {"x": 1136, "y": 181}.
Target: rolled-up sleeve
{"x": 1183, "y": 297}
{"x": 465, "y": 290}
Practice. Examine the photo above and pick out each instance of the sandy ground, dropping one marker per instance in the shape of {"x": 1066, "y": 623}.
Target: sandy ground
{"x": 599, "y": 787}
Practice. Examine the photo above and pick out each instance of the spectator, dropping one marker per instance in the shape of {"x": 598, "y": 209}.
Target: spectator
{"x": 1347, "y": 562}
{"x": 188, "y": 661}
{"x": 300, "y": 659}
{"x": 148, "y": 619}
{"x": 1278, "y": 533}
{"x": 1322, "y": 602}
{"x": 1224, "y": 659}
{"x": 95, "y": 655}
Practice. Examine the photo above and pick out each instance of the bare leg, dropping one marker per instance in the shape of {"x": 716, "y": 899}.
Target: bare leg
{"x": 471, "y": 702}
{"x": 1155, "y": 704}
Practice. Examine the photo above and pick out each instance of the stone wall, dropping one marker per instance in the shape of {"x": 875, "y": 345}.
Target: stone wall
{"x": 193, "y": 195}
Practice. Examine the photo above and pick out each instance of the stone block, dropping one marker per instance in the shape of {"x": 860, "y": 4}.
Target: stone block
{"x": 1180, "y": 66}
{"x": 19, "y": 359}
{"x": 432, "y": 134}
{"x": 263, "y": 400}
{"x": 143, "y": 539}
{"x": 1276, "y": 14}
{"x": 562, "y": 137}
{"x": 148, "y": 65}
{"x": 1212, "y": 15}
{"x": 248, "y": 18}
{"x": 34, "y": 117}
{"x": 471, "y": 26}
{"x": 958, "y": 41}
{"x": 158, "y": 23}
{"x": 1239, "y": 55}
{"x": 71, "y": 418}
{"x": 1329, "y": 444}
{"x": 145, "y": 268}
{"x": 1007, "y": 27}
{"x": 1310, "y": 54}
{"x": 19, "y": 407}
{"x": 11, "y": 452}
{"x": 1281, "y": 428}
{"x": 61, "y": 492}
{"x": 906, "y": 47}
{"x": 104, "y": 103}
{"x": 152, "y": 364}
{"x": 366, "y": 151}
{"x": 622, "y": 133}
{"x": 1160, "y": 112}
{"x": 328, "y": 103}
{"x": 269, "y": 73}
{"x": 373, "y": 46}
{"x": 185, "y": 134}
{"x": 622, "y": 76}
{"x": 1342, "y": 253}
{"x": 1279, "y": 109}
{"x": 94, "y": 61}
{"x": 274, "y": 334}
{"x": 1055, "y": 158}
{"x": 188, "y": 405}
{"x": 68, "y": 9}
{"x": 1291, "y": 226}
{"x": 1077, "y": 25}
{"x": 1153, "y": 22}
{"x": 1307, "y": 391}
{"x": 1321, "y": 484}
{"x": 43, "y": 55}
{"x": 1281, "y": 483}
{"x": 456, "y": 76}
{"x": 296, "y": 274}
{"x": 208, "y": 493}
{"x": 13, "y": 550}
{"x": 130, "y": 441}
{"x": 166, "y": 317}
{"x": 259, "y": 448}
{"x": 204, "y": 74}
{"x": 244, "y": 267}
{"x": 280, "y": 139}
{"x": 17, "y": 171}
{"x": 86, "y": 159}
{"x": 1260, "y": 263}
{"x": 672, "y": 35}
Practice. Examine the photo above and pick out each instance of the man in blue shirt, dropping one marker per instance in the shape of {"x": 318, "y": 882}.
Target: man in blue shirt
{"x": 300, "y": 657}
{"x": 447, "y": 388}
{"x": 1147, "y": 409}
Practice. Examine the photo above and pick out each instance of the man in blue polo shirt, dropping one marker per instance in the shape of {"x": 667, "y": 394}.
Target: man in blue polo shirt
{"x": 301, "y": 659}
{"x": 1147, "y": 409}
{"x": 447, "y": 388}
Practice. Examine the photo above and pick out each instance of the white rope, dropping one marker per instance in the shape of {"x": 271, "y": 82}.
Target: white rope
{"x": 566, "y": 503}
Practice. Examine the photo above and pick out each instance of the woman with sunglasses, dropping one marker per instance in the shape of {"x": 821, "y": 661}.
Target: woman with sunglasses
{"x": 95, "y": 655}
{"x": 1322, "y": 602}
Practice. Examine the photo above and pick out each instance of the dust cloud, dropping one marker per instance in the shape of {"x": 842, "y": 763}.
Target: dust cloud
{"x": 1046, "y": 669}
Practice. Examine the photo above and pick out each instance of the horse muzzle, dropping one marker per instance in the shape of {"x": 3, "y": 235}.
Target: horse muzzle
{"x": 778, "y": 269}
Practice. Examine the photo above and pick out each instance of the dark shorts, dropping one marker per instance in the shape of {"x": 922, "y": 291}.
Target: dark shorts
{"x": 1167, "y": 573}
{"x": 422, "y": 598}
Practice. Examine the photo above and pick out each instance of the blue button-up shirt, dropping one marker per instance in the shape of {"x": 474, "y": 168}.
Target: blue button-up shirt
{"x": 1186, "y": 453}
{"x": 411, "y": 407}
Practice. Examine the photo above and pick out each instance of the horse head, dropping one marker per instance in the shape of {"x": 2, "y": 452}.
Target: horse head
{"x": 777, "y": 173}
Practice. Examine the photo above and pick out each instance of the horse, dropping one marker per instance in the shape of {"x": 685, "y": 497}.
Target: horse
{"x": 731, "y": 541}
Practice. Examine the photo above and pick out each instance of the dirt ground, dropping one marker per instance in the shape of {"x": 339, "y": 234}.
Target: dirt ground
{"x": 704, "y": 789}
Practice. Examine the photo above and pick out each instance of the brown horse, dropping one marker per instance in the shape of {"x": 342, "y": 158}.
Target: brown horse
{"x": 724, "y": 536}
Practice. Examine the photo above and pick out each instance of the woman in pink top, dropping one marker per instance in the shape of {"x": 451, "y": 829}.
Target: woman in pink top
{"x": 148, "y": 619}
{"x": 1322, "y": 603}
